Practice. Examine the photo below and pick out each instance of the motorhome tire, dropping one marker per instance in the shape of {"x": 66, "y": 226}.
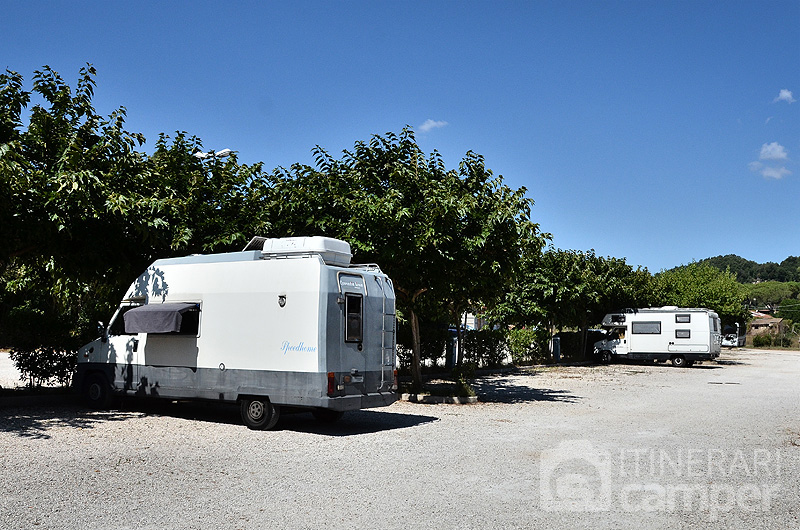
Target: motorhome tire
{"x": 259, "y": 413}
{"x": 327, "y": 415}
{"x": 96, "y": 392}
{"x": 679, "y": 361}
{"x": 606, "y": 357}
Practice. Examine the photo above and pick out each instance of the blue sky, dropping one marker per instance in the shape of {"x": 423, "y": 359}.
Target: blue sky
{"x": 661, "y": 132}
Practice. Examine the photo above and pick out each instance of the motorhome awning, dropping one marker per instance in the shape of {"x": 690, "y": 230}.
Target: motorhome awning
{"x": 157, "y": 318}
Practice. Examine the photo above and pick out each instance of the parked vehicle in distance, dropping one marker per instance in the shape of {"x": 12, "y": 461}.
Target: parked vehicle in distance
{"x": 286, "y": 323}
{"x": 681, "y": 335}
{"x": 734, "y": 336}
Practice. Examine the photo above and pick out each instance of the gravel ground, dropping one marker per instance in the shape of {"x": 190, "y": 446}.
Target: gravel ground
{"x": 620, "y": 446}
{"x": 9, "y": 375}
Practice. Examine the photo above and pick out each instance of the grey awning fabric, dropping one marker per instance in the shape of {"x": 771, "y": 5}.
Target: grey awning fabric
{"x": 157, "y": 318}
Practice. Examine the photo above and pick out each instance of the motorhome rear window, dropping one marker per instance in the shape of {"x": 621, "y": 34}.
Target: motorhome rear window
{"x": 683, "y": 318}
{"x": 353, "y": 308}
{"x": 646, "y": 328}
{"x": 683, "y": 334}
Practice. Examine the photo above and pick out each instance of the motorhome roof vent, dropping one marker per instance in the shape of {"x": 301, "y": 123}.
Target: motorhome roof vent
{"x": 333, "y": 251}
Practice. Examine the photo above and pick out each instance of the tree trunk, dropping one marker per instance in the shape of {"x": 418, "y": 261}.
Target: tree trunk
{"x": 584, "y": 333}
{"x": 416, "y": 344}
{"x": 459, "y": 343}
{"x": 416, "y": 349}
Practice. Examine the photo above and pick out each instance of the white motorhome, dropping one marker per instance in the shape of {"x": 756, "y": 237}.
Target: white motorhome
{"x": 284, "y": 323}
{"x": 681, "y": 335}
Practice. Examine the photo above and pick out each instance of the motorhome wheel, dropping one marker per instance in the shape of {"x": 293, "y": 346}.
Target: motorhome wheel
{"x": 679, "y": 361}
{"x": 259, "y": 413}
{"x": 96, "y": 392}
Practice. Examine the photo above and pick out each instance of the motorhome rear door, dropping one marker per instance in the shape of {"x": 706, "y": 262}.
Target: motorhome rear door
{"x": 355, "y": 339}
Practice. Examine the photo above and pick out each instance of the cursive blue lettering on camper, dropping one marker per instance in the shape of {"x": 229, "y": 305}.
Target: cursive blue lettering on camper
{"x": 300, "y": 347}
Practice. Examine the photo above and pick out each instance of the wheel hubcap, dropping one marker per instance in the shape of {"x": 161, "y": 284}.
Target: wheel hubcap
{"x": 256, "y": 410}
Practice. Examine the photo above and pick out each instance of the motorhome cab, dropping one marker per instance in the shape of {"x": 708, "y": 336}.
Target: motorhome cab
{"x": 683, "y": 336}
{"x": 284, "y": 323}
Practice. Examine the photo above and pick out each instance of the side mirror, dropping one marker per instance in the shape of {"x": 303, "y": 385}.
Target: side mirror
{"x": 101, "y": 329}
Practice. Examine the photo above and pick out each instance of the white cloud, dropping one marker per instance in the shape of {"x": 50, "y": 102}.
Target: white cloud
{"x": 775, "y": 172}
{"x": 755, "y": 167}
{"x": 784, "y": 95}
{"x": 773, "y": 151}
{"x": 768, "y": 172}
{"x": 431, "y": 124}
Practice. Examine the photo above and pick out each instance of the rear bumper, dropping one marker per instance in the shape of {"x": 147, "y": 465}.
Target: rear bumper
{"x": 363, "y": 401}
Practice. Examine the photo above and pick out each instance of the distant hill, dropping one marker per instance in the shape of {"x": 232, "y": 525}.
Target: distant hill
{"x": 748, "y": 271}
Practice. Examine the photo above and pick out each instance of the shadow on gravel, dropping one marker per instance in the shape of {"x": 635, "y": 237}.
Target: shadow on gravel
{"x": 36, "y": 421}
{"x": 353, "y": 423}
{"x": 731, "y": 363}
{"x": 503, "y": 390}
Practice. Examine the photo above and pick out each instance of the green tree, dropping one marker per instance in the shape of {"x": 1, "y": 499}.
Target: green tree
{"x": 449, "y": 239}
{"x": 700, "y": 285}
{"x": 207, "y": 206}
{"x": 771, "y": 294}
{"x": 82, "y": 212}
{"x": 572, "y": 289}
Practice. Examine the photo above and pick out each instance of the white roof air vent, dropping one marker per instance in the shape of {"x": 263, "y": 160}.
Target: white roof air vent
{"x": 333, "y": 251}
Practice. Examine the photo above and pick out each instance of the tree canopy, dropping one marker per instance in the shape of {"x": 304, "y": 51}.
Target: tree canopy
{"x": 449, "y": 239}
{"x": 748, "y": 271}
{"x": 700, "y": 285}
{"x": 83, "y": 211}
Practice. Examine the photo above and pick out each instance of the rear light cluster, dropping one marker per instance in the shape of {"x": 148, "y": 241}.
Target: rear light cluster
{"x": 332, "y": 386}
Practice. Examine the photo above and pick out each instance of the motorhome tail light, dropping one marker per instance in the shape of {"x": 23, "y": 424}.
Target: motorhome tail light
{"x": 396, "y": 386}
{"x": 331, "y": 383}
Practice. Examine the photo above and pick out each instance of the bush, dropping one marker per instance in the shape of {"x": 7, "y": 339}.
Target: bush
{"x": 44, "y": 366}
{"x": 485, "y": 347}
{"x": 762, "y": 341}
{"x": 767, "y": 340}
{"x": 528, "y": 345}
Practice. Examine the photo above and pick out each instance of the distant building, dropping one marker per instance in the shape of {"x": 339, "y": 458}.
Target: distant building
{"x": 760, "y": 326}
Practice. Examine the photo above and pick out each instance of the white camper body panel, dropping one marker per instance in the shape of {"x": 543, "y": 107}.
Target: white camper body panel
{"x": 661, "y": 333}
{"x": 292, "y": 322}
{"x": 242, "y": 324}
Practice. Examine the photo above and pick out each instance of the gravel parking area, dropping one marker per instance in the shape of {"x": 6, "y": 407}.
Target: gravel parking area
{"x": 9, "y": 376}
{"x": 619, "y": 446}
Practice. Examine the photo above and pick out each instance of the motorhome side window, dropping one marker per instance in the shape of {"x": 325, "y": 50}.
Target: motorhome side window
{"x": 353, "y": 331}
{"x": 683, "y": 319}
{"x": 683, "y": 334}
{"x": 179, "y": 318}
{"x": 646, "y": 328}
{"x": 190, "y": 323}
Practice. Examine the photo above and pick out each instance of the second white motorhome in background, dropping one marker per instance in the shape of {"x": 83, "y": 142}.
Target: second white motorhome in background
{"x": 681, "y": 335}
